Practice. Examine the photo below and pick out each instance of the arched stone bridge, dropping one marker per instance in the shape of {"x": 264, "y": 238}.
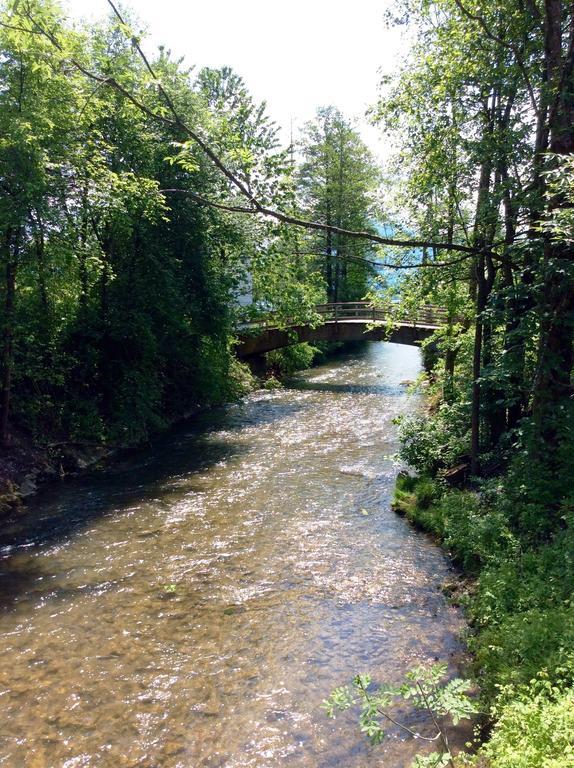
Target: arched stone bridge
{"x": 343, "y": 321}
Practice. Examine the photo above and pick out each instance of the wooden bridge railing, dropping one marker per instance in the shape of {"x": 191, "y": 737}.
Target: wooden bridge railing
{"x": 427, "y": 315}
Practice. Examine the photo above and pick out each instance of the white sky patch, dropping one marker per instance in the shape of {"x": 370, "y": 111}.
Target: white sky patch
{"x": 296, "y": 55}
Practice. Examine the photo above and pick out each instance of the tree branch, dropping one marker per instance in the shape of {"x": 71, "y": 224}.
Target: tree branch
{"x": 177, "y": 122}
{"x": 381, "y": 264}
{"x": 509, "y": 46}
{"x": 315, "y": 225}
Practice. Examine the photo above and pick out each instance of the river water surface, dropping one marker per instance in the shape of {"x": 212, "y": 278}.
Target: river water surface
{"x": 192, "y": 605}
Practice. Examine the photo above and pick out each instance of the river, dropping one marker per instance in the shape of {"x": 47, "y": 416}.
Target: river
{"x": 192, "y": 604}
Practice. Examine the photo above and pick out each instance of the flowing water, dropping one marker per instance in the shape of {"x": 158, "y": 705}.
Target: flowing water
{"x": 193, "y": 604}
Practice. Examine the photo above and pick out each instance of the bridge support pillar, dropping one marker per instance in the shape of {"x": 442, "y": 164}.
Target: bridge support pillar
{"x": 256, "y": 363}
{"x": 430, "y": 355}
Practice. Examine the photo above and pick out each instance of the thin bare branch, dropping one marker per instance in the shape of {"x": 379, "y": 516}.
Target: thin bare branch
{"x": 315, "y": 225}
{"x": 376, "y": 264}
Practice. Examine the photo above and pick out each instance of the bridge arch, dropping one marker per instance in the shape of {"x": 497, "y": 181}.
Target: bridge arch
{"x": 343, "y": 321}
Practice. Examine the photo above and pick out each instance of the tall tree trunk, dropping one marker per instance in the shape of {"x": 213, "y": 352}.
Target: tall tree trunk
{"x": 514, "y": 342}
{"x": 40, "y": 248}
{"x": 340, "y": 188}
{"x": 476, "y": 368}
{"x": 105, "y": 363}
{"x": 10, "y": 249}
{"x": 450, "y": 353}
{"x": 494, "y": 411}
{"x": 329, "y": 259}
{"x": 82, "y": 256}
{"x": 449, "y": 362}
{"x": 552, "y": 385}
{"x": 479, "y": 289}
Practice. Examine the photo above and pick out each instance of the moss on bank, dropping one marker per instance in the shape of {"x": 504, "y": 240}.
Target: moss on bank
{"x": 521, "y": 611}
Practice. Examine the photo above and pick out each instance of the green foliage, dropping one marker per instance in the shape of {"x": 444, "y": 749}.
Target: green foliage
{"x": 474, "y": 533}
{"x": 524, "y": 613}
{"x": 124, "y": 298}
{"x": 432, "y": 760}
{"x": 414, "y": 498}
{"x": 271, "y": 383}
{"x": 336, "y": 184}
{"x": 535, "y": 727}
{"x": 124, "y": 290}
{"x": 424, "y": 688}
{"x": 520, "y": 608}
{"x": 430, "y": 444}
{"x": 537, "y": 497}
{"x": 290, "y": 359}
{"x": 560, "y": 223}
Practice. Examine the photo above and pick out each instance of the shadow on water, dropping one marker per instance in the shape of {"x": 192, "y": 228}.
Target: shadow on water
{"x": 61, "y": 511}
{"x": 67, "y": 511}
{"x": 351, "y": 389}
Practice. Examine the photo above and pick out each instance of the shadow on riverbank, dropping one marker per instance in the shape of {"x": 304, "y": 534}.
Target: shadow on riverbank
{"x": 63, "y": 510}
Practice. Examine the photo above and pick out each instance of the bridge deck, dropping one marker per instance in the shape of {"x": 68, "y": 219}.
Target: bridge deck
{"x": 352, "y": 321}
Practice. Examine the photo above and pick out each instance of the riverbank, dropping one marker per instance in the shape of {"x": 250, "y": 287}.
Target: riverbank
{"x": 29, "y": 464}
{"x": 517, "y": 595}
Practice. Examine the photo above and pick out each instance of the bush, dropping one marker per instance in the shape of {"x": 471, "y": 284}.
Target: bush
{"x": 286, "y": 361}
{"x": 535, "y": 492}
{"x": 524, "y": 613}
{"x": 473, "y": 533}
{"x": 534, "y": 729}
{"x": 522, "y": 607}
{"x": 432, "y": 443}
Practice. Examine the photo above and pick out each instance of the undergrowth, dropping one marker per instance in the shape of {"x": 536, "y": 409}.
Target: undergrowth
{"x": 521, "y": 611}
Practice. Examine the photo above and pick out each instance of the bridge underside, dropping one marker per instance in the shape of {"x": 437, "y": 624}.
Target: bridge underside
{"x": 353, "y": 330}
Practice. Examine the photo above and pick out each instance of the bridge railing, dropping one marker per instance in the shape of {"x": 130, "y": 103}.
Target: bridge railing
{"x": 426, "y": 315}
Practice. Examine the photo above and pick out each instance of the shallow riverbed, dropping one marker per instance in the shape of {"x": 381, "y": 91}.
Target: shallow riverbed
{"x": 193, "y": 604}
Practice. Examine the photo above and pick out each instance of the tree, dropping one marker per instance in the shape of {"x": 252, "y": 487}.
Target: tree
{"x": 119, "y": 285}
{"x": 475, "y": 108}
{"x": 337, "y": 182}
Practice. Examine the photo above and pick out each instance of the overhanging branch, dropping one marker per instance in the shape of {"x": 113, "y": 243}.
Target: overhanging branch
{"x": 315, "y": 225}
{"x": 178, "y": 123}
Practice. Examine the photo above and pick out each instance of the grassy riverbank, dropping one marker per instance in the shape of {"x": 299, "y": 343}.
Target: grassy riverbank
{"x": 521, "y": 612}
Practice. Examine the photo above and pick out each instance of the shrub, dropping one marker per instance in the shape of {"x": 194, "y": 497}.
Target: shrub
{"x": 534, "y": 729}
{"x": 474, "y": 533}
{"x": 524, "y": 613}
{"x": 434, "y": 442}
{"x": 290, "y": 359}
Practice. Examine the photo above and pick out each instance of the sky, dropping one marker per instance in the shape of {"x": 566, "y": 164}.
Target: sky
{"x": 296, "y": 55}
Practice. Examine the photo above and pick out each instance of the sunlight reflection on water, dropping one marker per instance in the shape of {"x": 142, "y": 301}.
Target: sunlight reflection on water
{"x": 193, "y": 605}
